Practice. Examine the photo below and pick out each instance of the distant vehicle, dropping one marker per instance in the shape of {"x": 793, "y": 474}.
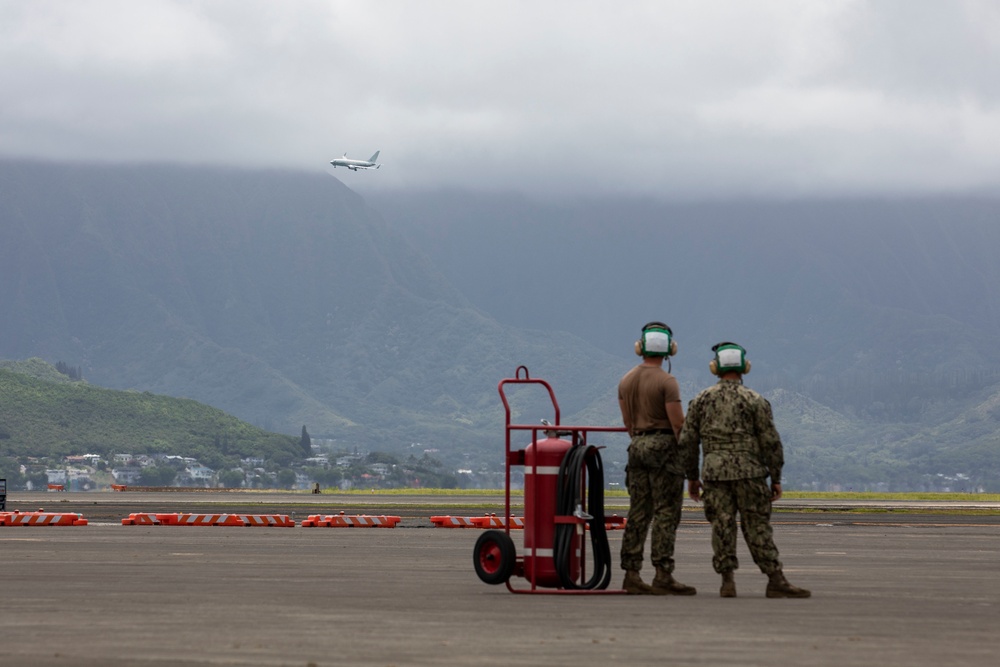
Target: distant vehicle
{"x": 354, "y": 165}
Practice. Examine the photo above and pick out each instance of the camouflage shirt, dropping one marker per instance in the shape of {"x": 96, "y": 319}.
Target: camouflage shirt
{"x": 736, "y": 431}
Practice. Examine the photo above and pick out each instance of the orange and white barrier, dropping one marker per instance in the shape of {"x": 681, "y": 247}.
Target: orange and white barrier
{"x": 119, "y": 487}
{"x": 613, "y": 522}
{"x": 350, "y": 521}
{"x": 278, "y": 520}
{"x": 41, "y": 519}
{"x": 199, "y": 520}
{"x": 453, "y": 522}
{"x": 208, "y": 520}
{"x": 493, "y": 521}
{"x": 150, "y": 519}
{"x": 486, "y": 521}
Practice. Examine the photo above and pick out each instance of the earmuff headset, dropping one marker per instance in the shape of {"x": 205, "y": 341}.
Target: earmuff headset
{"x": 657, "y": 341}
{"x": 729, "y": 357}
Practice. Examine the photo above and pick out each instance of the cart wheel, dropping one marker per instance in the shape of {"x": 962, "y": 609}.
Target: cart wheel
{"x": 494, "y": 557}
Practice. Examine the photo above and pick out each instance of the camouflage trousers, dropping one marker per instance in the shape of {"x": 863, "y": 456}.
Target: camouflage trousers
{"x": 751, "y": 499}
{"x": 655, "y": 497}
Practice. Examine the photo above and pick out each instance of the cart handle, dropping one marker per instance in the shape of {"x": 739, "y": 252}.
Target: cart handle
{"x": 525, "y": 379}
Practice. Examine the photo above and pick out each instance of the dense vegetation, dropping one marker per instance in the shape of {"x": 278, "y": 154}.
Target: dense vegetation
{"x": 46, "y": 418}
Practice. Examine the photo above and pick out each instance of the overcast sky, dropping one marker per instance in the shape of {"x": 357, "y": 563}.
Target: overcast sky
{"x": 673, "y": 99}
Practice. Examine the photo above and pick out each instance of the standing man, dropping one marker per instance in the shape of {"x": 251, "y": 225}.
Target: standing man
{"x": 741, "y": 449}
{"x": 650, "y": 401}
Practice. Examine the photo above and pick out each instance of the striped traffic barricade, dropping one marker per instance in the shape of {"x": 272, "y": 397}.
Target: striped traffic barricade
{"x": 343, "y": 520}
{"x": 453, "y": 522}
{"x": 493, "y": 521}
{"x": 209, "y": 520}
{"x": 42, "y": 519}
{"x": 141, "y": 519}
{"x": 184, "y": 519}
{"x": 277, "y": 520}
{"x": 613, "y": 522}
{"x": 486, "y": 521}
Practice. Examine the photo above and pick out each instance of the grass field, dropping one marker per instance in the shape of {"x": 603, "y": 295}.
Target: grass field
{"x": 861, "y": 495}
{"x": 791, "y": 495}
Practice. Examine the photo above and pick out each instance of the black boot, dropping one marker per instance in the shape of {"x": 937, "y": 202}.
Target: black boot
{"x": 634, "y": 585}
{"x": 778, "y": 587}
{"x": 665, "y": 584}
{"x": 728, "y": 589}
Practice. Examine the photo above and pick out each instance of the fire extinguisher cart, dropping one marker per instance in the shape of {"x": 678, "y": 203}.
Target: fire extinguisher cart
{"x": 563, "y": 504}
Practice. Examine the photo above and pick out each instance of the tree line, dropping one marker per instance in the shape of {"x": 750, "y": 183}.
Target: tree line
{"x": 72, "y": 372}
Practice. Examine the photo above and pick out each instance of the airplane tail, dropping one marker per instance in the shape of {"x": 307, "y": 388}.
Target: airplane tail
{"x": 374, "y": 157}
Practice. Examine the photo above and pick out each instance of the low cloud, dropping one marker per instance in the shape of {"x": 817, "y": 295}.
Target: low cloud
{"x": 660, "y": 99}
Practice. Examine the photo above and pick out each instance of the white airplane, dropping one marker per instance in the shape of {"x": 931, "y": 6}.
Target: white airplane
{"x": 354, "y": 165}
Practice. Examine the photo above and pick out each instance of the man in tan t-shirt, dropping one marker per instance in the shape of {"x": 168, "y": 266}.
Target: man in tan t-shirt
{"x": 650, "y": 402}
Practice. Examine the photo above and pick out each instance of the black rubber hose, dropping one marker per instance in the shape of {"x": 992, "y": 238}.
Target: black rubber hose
{"x": 570, "y": 471}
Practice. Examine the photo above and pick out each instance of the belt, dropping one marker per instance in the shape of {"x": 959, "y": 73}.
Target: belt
{"x": 655, "y": 431}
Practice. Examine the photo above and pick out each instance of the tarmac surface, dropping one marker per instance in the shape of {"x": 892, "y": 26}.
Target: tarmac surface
{"x": 914, "y": 584}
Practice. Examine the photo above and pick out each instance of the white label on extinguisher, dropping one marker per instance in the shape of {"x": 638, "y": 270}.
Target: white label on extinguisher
{"x": 541, "y": 470}
{"x": 539, "y": 553}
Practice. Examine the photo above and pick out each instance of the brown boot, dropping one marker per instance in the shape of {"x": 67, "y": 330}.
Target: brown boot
{"x": 665, "y": 584}
{"x": 778, "y": 587}
{"x": 634, "y": 585}
{"x": 728, "y": 589}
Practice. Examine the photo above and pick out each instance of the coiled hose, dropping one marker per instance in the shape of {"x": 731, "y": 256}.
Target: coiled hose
{"x": 567, "y": 501}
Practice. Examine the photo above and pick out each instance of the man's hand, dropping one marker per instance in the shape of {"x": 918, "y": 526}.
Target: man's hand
{"x": 775, "y": 492}
{"x": 694, "y": 489}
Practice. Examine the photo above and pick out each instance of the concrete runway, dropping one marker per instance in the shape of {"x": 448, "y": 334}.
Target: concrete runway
{"x": 909, "y": 589}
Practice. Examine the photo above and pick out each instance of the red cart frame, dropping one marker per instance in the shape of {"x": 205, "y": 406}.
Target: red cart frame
{"x": 579, "y": 436}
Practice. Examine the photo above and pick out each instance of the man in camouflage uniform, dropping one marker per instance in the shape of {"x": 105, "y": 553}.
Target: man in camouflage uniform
{"x": 650, "y": 402}
{"x": 741, "y": 449}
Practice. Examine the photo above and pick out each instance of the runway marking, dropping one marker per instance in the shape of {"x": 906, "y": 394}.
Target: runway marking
{"x": 926, "y": 525}
{"x": 21, "y": 539}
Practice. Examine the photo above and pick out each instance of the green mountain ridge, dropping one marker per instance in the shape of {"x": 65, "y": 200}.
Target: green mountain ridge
{"x": 43, "y": 417}
{"x": 36, "y": 368}
{"x": 285, "y": 299}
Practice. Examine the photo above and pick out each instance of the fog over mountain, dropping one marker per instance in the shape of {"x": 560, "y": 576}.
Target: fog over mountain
{"x": 883, "y": 311}
{"x": 279, "y": 297}
{"x": 286, "y": 299}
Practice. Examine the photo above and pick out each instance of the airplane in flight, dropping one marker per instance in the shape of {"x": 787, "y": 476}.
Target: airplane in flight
{"x": 354, "y": 165}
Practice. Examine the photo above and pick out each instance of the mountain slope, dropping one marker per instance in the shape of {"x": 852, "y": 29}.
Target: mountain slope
{"x": 818, "y": 291}
{"x": 41, "y": 417}
{"x": 278, "y": 297}
{"x": 879, "y": 314}
{"x": 285, "y": 299}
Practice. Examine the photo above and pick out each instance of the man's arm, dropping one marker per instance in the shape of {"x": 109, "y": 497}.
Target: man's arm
{"x": 675, "y": 413}
{"x": 626, "y": 418}
{"x": 770, "y": 446}
{"x": 688, "y": 442}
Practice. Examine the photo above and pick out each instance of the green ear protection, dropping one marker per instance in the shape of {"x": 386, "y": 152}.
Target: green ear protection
{"x": 657, "y": 341}
{"x": 729, "y": 357}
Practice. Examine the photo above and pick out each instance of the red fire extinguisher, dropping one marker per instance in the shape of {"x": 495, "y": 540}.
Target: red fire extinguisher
{"x": 542, "y": 460}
